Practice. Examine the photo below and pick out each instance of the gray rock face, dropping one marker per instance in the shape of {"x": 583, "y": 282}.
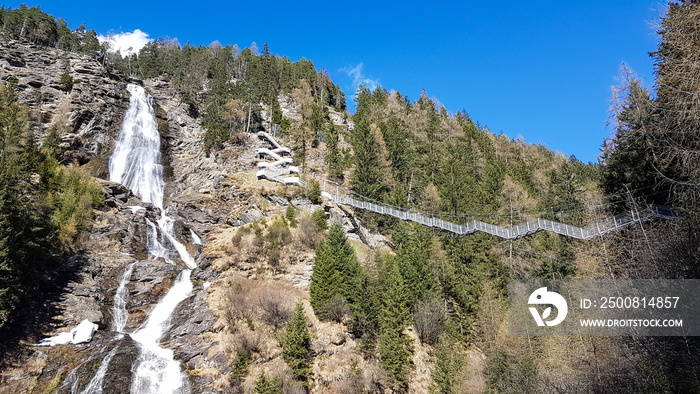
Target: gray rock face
{"x": 118, "y": 374}
{"x": 198, "y": 191}
{"x": 88, "y": 115}
{"x": 355, "y": 230}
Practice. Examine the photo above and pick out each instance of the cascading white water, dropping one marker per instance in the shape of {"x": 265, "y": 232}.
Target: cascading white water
{"x": 119, "y": 313}
{"x": 95, "y": 385}
{"x": 156, "y": 370}
{"x": 136, "y": 164}
{"x": 135, "y": 161}
{"x": 195, "y": 238}
{"x": 156, "y": 243}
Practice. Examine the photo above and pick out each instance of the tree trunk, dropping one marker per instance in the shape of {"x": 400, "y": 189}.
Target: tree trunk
{"x": 250, "y": 107}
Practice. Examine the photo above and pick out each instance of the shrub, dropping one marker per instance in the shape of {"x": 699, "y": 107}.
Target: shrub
{"x": 314, "y": 192}
{"x": 428, "y": 316}
{"x": 320, "y": 219}
{"x": 259, "y": 240}
{"x": 239, "y": 369}
{"x": 290, "y": 215}
{"x": 278, "y": 233}
{"x": 238, "y": 236}
{"x": 275, "y": 309}
{"x": 237, "y": 300}
{"x": 336, "y": 309}
{"x": 247, "y": 341}
{"x": 265, "y": 385}
{"x": 76, "y": 196}
{"x": 66, "y": 82}
{"x": 308, "y": 233}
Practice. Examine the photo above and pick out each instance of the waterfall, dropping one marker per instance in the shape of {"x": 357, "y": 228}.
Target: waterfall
{"x": 156, "y": 243}
{"x": 95, "y": 385}
{"x": 156, "y": 370}
{"x": 136, "y": 164}
{"x": 119, "y": 313}
{"x": 195, "y": 239}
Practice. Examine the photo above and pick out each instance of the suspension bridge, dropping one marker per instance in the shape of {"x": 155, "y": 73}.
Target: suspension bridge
{"x": 513, "y": 232}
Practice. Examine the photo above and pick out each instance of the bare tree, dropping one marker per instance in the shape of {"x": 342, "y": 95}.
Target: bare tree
{"x": 429, "y": 316}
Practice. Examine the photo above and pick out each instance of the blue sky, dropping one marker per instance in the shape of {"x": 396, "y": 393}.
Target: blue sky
{"x": 542, "y": 70}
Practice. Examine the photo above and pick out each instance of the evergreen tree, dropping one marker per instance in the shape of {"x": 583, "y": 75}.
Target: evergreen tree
{"x": 399, "y": 146}
{"x": 50, "y": 146}
{"x": 265, "y": 385}
{"x": 296, "y": 346}
{"x": 394, "y": 346}
{"x": 457, "y": 179}
{"x": 26, "y": 233}
{"x": 627, "y": 161}
{"x": 304, "y": 134}
{"x": 333, "y": 156}
{"x": 290, "y": 215}
{"x": 676, "y": 140}
{"x": 220, "y": 91}
{"x": 412, "y": 253}
{"x": 365, "y": 313}
{"x": 448, "y": 363}
{"x": 335, "y": 271}
{"x": 314, "y": 192}
{"x": 366, "y": 179}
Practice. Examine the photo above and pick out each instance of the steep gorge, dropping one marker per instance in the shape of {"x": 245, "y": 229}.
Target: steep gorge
{"x": 88, "y": 117}
{"x": 204, "y": 195}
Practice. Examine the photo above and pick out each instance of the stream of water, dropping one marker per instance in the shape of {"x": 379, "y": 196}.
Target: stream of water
{"x": 136, "y": 164}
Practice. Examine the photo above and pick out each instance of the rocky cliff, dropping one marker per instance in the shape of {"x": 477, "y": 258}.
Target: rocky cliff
{"x": 206, "y": 194}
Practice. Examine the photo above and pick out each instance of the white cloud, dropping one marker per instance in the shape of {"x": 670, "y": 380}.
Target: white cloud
{"x": 126, "y": 43}
{"x": 359, "y": 78}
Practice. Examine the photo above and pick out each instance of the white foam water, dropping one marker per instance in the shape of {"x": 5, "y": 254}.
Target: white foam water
{"x": 95, "y": 385}
{"x": 156, "y": 370}
{"x": 195, "y": 238}
{"x": 119, "y": 312}
{"x": 135, "y": 163}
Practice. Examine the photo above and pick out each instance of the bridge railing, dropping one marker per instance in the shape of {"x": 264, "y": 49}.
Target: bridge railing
{"x": 342, "y": 196}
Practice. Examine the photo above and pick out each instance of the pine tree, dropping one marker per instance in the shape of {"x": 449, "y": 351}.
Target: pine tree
{"x": 290, "y": 215}
{"x": 314, "y": 193}
{"x": 296, "y": 346}
{"x": 676, "y": 144}
{"x": 394, "y": 346}
{"x": 365, "y": 314}
{"x": 448, "y": 363}
{"x": 304, "y": 134}
{"x": 265, "y": 385}
{"x": 51, "y": 147}
{"x": 333, "y": 157}
{"x": 26, "y": 233}
{"x": 628, "y": 159}
{"x": 412, "y": 254}
{"x": 335, "y": 271}
{"x": 366, "y": 178}
{"x": 220, "y": 92}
